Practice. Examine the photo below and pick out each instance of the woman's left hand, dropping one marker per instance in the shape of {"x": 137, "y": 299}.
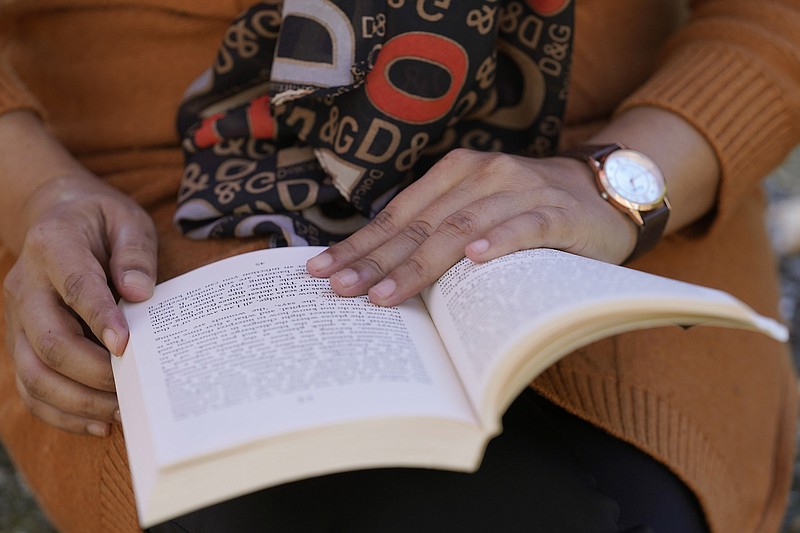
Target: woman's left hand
{"x": 482, "y": 206}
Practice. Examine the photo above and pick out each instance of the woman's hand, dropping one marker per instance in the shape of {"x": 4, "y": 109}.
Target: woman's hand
{"x": 83, "y": 238}
{"x": 484, "y": 205}
{"x": 478, "y": 205}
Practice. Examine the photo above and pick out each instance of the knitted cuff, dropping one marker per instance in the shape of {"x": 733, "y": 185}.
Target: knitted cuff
{"x": 733, "y": 103}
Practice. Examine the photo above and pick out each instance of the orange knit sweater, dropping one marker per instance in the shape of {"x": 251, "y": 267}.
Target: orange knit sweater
{"x": 716, "y": 406}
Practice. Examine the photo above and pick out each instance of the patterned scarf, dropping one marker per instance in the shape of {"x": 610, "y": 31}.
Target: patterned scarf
{"x": 317, "y": 112}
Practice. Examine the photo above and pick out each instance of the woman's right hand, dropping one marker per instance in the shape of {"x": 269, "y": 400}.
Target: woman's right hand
{"x": 82, "y": 241}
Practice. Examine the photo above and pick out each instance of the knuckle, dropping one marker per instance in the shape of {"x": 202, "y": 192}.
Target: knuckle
{"x": 542, "y": 220}
{"x": 375, "y": 263}
{"x": 459, "y": 156}
{"x": 140, "y": 247}
{"x": 77, "y": 283}
{"x": 343, "y": 250}
{"x": 34, "y": 386}
{"x": 50, "y": 348}
{"x": 419, "y": 267}
{"x": 417, "y": 231}
{"x": 86, "y": 405}
{"x": 38, "y": 237}
{"x": 386, "y": 221}
{"x": 499, "y": 165}
{"x": 556, "y": 227}
{"x": 108, "y": 378}
{"x": 460, "y": 224}
{"x": 507, "y": 234}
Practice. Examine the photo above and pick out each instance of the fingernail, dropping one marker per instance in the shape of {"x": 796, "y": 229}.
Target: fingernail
{"x": 346, "y": 278}
{"x": 479, "y": 246}
{"x": 97, "y": 429}
{"x": 110, "y": 339}
{"x": 134, "y": 279}
{"x": 384, "y": 289}
{"x": 320, "y": 262}
{"x": 117, "y": 417}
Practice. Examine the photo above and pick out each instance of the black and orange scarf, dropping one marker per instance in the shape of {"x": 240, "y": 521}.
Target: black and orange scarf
{"x": 316, "y": 112}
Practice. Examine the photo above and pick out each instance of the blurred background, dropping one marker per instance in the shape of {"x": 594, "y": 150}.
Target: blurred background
{"x": 19, "y": 513}
{"x": 784, "y": 219}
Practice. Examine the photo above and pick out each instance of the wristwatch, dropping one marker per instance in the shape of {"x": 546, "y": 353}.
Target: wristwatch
{"x": 633, "y": 183}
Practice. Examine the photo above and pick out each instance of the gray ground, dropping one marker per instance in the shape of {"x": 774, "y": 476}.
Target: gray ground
{"x": 19, "y": 514}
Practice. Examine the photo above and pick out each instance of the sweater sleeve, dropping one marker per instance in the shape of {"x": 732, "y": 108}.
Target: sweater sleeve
{"x": 733, "y": 72}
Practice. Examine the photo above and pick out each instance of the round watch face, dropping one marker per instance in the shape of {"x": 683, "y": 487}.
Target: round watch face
{"x": 632, "y": 177}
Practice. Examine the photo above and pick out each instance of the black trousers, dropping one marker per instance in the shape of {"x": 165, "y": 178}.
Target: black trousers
{"x": 548, "y": 472}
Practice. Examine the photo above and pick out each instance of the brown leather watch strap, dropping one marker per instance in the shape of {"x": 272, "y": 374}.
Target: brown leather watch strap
{"x": 587, "y": 152}
{"x": 650, "y": 232}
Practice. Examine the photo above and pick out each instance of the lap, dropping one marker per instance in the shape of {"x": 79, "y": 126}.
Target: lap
{"x": 547, "y": 472}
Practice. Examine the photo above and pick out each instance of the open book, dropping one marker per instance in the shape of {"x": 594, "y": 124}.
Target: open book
{"x": 248, "y": 372}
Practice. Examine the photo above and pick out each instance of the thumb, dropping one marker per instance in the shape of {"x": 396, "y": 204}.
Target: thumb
{"x": 133, "y": 248}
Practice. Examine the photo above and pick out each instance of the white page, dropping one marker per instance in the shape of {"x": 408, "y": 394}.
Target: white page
{"x": 481, "y": 310}
{"x": 196, "y": 404}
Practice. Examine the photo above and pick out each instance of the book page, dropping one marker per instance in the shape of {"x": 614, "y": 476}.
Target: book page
{"x": 253, "y": 347}
{"x": 555, "y": 302}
